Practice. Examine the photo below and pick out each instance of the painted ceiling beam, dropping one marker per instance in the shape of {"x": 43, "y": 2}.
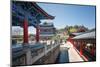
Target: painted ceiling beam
{"x": 21, "y": 10}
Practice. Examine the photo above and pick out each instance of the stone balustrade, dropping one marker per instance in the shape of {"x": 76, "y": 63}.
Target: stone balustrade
{"x": 35, "y": 54}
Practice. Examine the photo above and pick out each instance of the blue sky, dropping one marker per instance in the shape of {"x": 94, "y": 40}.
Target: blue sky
{"x": 70, "y": 14}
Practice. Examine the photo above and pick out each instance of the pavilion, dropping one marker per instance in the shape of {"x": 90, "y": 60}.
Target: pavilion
{"x": 86, "y": 44}
{"x": 26, "y": 14}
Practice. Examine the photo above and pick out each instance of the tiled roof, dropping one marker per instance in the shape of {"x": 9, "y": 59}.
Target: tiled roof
{"x": 77, "y": 33}
{"x": 88, "y": 35}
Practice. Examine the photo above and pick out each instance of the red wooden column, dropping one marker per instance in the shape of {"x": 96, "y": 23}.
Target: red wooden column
{"x": 81, "y": 48}
{"x": 92, "y": 50}
{"x": 74, "y": 43}
{"x": 37, "y": 33}
{"x": 25, "y": 30}
{"x": 77, "y": 44}
{"x": 71, "y": 40}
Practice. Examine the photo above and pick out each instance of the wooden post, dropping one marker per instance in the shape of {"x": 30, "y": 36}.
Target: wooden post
{"x": 92, "y": 50}
{"x": 25, "y": 30}
{"x": 75, "y": 43}
{"x": 81, "y": 48}
{"x": 37, "y": 33}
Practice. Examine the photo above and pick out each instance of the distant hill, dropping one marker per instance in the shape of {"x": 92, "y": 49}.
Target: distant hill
{"x": 73, "y": 29}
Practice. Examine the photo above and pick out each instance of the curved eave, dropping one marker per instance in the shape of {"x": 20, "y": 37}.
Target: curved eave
{"x": 43, "y": 15}
{"x": 90, "y": 35}
{"x": 40, "y": 10}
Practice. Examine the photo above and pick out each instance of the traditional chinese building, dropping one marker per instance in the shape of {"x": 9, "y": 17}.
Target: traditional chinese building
{"x": 86, "y": 45}
{"x": 26, "y": 14}
{"x": 47, "y": 31}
